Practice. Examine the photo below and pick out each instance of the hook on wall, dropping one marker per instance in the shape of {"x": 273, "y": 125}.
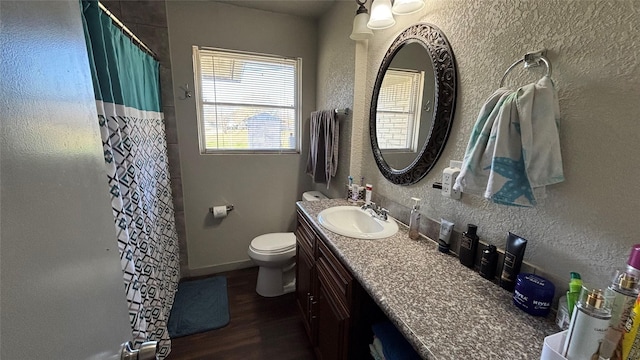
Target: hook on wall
{"x": 187, "y": 93}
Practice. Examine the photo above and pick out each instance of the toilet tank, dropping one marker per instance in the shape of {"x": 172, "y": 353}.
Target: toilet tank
{"x": 313, "y": 196}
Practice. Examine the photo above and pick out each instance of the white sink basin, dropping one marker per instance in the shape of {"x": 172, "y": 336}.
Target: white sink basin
{"x": 354, "y": 222}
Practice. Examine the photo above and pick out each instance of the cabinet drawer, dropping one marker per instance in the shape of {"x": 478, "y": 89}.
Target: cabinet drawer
{"x": 304, "y": 243}
{"x": 338, "y": 276}
{"x": 305, "y": 236}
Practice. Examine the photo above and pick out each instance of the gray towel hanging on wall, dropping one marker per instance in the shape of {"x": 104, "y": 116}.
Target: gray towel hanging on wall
{"x": 322, "y": 162}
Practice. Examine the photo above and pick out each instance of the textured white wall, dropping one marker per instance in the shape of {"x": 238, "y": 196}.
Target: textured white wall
{"x": 588, "y": 223}
{"x": 336, "y": 66}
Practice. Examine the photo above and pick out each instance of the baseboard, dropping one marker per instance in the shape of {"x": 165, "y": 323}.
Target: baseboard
{"x": 214, "y": 269}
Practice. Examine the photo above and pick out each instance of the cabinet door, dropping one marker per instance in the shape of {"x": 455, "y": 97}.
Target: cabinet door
{"x": 331, "y": 318}
{"x": 304, "y": 288}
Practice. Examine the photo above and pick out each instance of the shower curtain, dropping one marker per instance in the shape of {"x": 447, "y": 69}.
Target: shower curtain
{"x": 127, "y": 89}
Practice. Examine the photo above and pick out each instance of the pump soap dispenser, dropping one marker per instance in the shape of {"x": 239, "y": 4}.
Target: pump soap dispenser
{"x": 414, "y": 220}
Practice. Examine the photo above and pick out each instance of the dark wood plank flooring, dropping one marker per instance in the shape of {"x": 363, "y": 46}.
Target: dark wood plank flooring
{"x": 260, "y": 328}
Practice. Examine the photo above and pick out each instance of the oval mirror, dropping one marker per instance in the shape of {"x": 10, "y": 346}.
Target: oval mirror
{"x": 413, "y": 104}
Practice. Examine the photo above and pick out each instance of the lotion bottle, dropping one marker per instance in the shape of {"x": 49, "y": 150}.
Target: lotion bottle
{"x": 414, "y": 220}
{"x": 446, "y": 227}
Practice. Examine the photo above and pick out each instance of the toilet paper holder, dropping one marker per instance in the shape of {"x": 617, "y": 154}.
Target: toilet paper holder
{"x": 229, "y": 208}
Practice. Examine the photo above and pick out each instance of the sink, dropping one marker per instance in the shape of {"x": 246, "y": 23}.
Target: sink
{"x": 354, "y": 222}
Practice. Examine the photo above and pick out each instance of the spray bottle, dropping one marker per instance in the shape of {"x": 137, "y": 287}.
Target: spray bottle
{"x": 589, "y": 324}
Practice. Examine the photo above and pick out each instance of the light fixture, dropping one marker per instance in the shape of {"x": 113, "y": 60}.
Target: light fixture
{"x": 381, "y": 16}
{"x": 405, "y": 7}
{"x": 360, "y": 29}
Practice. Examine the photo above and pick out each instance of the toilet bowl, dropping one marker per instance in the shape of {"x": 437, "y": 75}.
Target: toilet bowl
{"x": 275, "y": 254}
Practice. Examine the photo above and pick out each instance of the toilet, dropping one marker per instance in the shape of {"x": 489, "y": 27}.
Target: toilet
{"x": 275, "y": 254}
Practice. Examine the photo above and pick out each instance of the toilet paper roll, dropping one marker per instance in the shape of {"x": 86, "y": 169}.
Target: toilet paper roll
{"x": 219, "y": 212}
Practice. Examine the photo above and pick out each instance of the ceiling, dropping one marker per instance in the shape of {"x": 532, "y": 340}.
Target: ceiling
{"x": 306, "y": 8}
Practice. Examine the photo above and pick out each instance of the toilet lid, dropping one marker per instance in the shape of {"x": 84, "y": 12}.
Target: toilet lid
{"x": 274, "y": 243}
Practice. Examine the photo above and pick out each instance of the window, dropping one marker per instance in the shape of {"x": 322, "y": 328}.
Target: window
{"x": 398, "y": 114}
{"x": 247, "y": 103}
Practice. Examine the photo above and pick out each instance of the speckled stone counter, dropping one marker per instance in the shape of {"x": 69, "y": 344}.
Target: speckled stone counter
{"x": 444, "y": 309}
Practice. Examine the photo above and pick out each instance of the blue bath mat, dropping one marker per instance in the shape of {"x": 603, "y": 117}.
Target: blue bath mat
{"x": 199, "y": 305}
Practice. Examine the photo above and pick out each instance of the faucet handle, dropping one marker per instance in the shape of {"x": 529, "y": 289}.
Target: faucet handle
{"x": 383, "y": 213}
{"x": 371, "y": 205}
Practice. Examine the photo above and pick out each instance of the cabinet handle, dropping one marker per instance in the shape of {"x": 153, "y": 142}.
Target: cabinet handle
{"x": 310, "y": 307}
{"x": 312, "y": 315}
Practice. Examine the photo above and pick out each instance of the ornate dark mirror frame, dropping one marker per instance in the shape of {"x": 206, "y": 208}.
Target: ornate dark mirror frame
{"x": 445, "y": 75}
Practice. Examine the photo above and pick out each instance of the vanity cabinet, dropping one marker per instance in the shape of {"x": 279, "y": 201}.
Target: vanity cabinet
{"x": 328, "y": 297}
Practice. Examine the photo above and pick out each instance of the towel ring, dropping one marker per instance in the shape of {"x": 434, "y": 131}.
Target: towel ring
{"x": 530, "y": 60}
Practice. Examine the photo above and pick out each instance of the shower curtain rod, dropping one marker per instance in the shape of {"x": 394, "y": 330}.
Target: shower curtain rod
{"x": 126, "y": 30}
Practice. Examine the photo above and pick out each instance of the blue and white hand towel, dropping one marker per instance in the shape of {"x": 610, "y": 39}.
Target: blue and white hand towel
{"x": 514, "y": 149}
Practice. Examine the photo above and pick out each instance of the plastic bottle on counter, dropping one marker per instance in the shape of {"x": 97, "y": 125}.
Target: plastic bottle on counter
{"x": 414, "y": 220}
{"x": 633, "y": 264}
{"x": 368, "y": 194}
{"x": 624, "y": 289}
{"x": 488, "y": 262}
{"x": 469, "y": 246}
{"x": 589, "y": 324}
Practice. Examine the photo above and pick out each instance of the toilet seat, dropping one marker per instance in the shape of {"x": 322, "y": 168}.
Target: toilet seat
{"x": 275, "y": 254}
{"x": 273, "y": 243}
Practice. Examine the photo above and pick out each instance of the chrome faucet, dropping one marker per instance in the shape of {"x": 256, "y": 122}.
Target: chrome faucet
{"x": 371, "y": 205}
{"x": 378, "y": 212}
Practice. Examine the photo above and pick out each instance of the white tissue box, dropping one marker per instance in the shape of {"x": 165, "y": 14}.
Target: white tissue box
{"x": 552, "y": 348}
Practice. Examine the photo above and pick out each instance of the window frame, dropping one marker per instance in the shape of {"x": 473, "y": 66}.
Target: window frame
{"x": 200, "y": 103}
{"x": 411, "y": 140}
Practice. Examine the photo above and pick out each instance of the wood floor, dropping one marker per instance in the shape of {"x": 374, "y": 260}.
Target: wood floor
{"x": 260, "y": 328}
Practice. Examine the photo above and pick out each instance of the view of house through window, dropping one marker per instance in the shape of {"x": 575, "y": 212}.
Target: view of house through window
{"x": 246, "y": 102}
{"x": 398, "y": 111}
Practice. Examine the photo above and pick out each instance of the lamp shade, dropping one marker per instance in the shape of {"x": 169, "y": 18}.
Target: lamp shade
{"x": 360, "y": 29}
{"x": 404, "y": 7}
{"x": 381, "y": 16}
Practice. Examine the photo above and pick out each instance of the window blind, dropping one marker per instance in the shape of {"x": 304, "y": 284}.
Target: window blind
{"x": 247, "y": 102}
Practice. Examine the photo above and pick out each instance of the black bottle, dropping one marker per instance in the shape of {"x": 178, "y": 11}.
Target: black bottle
{"x": 488, "y": 262}
{"x": 469, "y": 246}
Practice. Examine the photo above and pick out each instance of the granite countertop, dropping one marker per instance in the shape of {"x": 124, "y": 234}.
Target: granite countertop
{"x": 444, "y": 309}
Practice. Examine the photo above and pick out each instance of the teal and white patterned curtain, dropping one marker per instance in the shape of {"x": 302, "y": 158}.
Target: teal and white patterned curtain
{"x": 127, "y": 88}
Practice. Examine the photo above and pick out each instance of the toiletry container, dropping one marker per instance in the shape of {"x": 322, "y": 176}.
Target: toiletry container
{"x": 275, "y": 254}
{"x": 562, "y": 316}
{"x": 414, "y": 220}
{"x": 513, "y": 254}
{"x": 575, "y": 286}
{"x": 533, "y": 294}
{"x": 589, "y": 324}
{"x": 633, "y": 264}
{"x": 469, "y": 246}
{"x": 624, "y": 290}
{"x": 488, "y": 262}
{"x": 631, "y": 339}
{"x": 446, "y": 228}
